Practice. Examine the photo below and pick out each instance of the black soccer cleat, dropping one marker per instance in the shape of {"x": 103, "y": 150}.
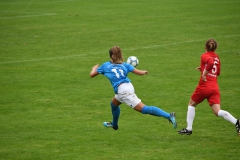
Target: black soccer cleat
{"x": 237, "y": 125}
{"x": 185, "y": 131}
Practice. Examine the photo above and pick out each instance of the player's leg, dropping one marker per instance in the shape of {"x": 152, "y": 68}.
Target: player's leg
{"x": 152, "y": 110}
{"x": 191, "y": 113}
{"x": 115, "y": 113}
{"x": 222, "y": 113}
{"x": 155, "y": 111}
{"x": 127, "y": 95}
{"x": 226, "y": 115}
{"x": 190, "y": 118}
{"x": 214, "y": 102}
{"x": 197, "y": 97}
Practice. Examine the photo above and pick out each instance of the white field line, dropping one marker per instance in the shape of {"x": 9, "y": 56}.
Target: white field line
{"x": 7, "y": 11}
{"x": 130, "y": 49}
{"x": 29, "y": 13}
{"x": 53, "y": 58}
{"x": 59, "y": 1}
{"x": 27, "y": 16}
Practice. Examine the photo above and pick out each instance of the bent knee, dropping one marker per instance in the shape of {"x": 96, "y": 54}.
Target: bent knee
{"x": 216, "y": 113}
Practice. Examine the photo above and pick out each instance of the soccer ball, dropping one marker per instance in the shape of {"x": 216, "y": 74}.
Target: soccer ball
{"x": 133, "y": 61}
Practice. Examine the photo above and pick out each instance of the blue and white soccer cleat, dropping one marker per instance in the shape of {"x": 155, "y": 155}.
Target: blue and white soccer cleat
{"x": 110, "y": 125}
{"x": 172, "y": 119}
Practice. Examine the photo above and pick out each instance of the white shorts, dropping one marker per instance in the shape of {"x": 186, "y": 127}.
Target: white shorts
{"x": 126, "y": 94}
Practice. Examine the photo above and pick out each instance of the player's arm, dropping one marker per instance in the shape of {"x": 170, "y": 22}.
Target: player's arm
{"x": 205, "y": 72}
{"x": 94, "y": 72}
{"x": 139, "y": 72}
{"x": 207, "y": 69}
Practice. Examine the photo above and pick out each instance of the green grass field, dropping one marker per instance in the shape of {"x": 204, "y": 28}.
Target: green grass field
{"x": 51, "y": 109}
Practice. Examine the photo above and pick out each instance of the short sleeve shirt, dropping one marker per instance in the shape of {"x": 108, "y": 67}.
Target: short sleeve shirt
{"x": 116, "y": 73}
{"x": 206, "y": 58}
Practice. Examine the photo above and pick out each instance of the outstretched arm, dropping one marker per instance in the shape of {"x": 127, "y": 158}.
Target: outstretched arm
{"x": 94, "y": 72}
{"x": 139, "y": 72}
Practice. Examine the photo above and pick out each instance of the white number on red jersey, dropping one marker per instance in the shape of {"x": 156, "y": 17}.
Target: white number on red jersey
{"x": 214, "y": 69}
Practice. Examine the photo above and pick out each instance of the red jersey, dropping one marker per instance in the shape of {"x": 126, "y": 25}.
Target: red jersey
{"x": 208, "y": 90}
{"x": 210, "y": 62}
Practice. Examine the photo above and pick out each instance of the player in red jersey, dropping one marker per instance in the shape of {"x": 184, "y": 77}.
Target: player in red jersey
{"x": 208, "y": 88}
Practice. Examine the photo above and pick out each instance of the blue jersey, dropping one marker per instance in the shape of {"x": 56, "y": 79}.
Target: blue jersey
{"x": 116, "y": 73}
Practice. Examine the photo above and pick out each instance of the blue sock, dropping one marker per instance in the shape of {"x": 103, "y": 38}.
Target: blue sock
{"x": 115, "y": 113}
{"x": 152, "y": 110}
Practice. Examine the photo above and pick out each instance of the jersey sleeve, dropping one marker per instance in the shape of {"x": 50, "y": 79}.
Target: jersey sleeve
{"x": 129, "y": 67}
{"x": 100, "y": 69}
{"x": 209, "y": 63}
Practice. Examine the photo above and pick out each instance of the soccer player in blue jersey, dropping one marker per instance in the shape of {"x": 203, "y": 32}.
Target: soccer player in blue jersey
{"x": 116, "y": 70}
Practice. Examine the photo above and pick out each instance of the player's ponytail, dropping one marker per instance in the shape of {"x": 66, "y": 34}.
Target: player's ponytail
{"x": 115, "y": 54}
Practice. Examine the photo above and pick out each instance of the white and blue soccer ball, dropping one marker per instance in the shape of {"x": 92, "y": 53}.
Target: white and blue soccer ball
{"x": 133, "y": 60}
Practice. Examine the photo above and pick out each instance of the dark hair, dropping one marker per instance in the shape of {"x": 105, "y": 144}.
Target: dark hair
{"x": 115, "y": 54}
{"x": 211, "y": 45}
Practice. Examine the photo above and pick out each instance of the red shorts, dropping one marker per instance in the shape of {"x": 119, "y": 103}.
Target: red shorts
{"x": 210, "y": 93}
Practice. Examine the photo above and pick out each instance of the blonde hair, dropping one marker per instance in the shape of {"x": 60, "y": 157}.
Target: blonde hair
{"x": 211, "y": 45}
{"x": 115, "y": 54}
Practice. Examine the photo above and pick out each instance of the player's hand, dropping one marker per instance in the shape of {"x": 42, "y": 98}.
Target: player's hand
{"x": 204, "y": 78}
{"x": 139, "y": 72}
{"x": 198, "y": 68}
{"x": 145, "y": 72}
{"x": 95, "y": 67}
